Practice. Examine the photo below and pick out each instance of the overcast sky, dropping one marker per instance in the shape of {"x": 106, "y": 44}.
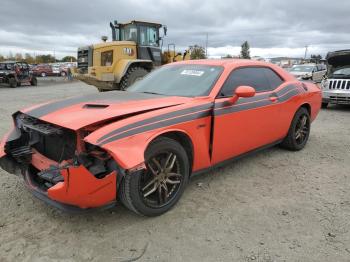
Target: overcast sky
{"x": 272, "y": 27}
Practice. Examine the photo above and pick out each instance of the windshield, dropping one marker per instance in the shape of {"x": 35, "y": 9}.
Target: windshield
{"x": 4, "y": 66}
{"x": 129, "y": 33}
{"x": 343, "y": 71}
{"x": 179, "y": 80}
{"x": 307, "y": 69}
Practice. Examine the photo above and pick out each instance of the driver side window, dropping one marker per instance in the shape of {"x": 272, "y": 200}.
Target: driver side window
{"x": 262, "y": 79}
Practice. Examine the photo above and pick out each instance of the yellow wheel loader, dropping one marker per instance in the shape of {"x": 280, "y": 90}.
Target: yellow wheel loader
{"x": 135, "y": 49}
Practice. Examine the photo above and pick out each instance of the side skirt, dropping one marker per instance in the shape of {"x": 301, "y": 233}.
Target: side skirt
{"x": 230, "y": 160}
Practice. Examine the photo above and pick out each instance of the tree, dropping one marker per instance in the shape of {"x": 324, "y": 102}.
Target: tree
{"x": 227, "y": 56}
{"x": 197, "y": 52}
{"x": 68, "y": 59}
{"x": 28, "y": 58}
{"x": 315, "y": 58}
{"x": 2, "y": 58}
{"x": 245, "y": 52}
{"x": 44, "y": 59}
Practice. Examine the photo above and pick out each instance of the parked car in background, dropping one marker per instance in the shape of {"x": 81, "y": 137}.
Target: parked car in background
{"x": 16, "y": 73}
{"x": 309, "y": 72}
{"x": 43, "y": 70}
{"x": 336, "y": 85}
{"x": 141, "y": 146}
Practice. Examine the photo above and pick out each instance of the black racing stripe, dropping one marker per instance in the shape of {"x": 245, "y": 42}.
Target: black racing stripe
{"x": 165, "y": 123}
{"x": 112, "y": 97}
{"x": 245, "y": 106}
{"x": 288, "y": 95}
{"x": 286, "y": 89}
{"x": 156, "y": 119}
{"x": 234, "y": 109}
{"x": 257, "y": 97}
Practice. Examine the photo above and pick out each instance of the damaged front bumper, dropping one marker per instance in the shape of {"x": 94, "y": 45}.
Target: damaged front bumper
{"x": 74, "y": 189}
{"x": 72, "y": 185}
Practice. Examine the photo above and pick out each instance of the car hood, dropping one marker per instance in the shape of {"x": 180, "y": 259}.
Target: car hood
{"x": 299, "y": 73}
{"x": 78, "y": 112}
{"x": 339, "y": 58}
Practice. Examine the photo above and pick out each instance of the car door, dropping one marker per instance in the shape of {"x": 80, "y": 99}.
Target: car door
{"x": 249, "y": 123}
{"x": 317, "y": 74}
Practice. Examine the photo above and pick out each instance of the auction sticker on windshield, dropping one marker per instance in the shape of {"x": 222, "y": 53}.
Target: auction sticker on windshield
{"x": 192, "y": 72}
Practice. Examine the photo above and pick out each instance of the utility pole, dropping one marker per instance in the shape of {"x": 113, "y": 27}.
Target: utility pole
{"x": 206, "y": 46}
{"x": 306, "y": 47}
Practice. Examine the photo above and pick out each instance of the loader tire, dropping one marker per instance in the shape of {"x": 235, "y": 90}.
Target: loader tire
{"x": 132, "y": 75}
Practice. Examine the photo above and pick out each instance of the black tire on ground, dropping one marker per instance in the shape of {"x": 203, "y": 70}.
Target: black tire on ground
{"x": 43, "y": 74}
{"x": 299, "y": 131}
{"x": 19, "y": 84}
{"x": 173, "y": 169}
{"x": 34, "y": 81}
{"x": 324, "y": 105}
{"x": 132, "y": 75}
{"x": 13, "y": 82}
{"x": 63, "y": 73}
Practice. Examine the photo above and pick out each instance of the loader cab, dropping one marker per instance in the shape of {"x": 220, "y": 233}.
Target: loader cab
{"x": 146, "y": 36}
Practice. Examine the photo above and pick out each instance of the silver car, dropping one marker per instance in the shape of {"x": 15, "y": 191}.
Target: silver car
{"x": 336, "y": 85}
{"x": 309, "y": 72}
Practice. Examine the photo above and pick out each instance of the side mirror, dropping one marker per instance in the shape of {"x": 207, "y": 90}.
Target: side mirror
{"x": 245, "y": 91}
{"x": 242, "y": 91}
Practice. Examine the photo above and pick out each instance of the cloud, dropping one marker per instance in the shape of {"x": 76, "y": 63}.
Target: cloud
{"x": 272, "y": 27}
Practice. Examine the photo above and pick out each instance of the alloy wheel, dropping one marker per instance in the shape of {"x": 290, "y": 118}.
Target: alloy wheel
{"x": 302, "y": 129}
{"x": 161, "y": 182}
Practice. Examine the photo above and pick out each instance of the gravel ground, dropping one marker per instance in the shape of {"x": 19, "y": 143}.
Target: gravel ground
{"x": 273, "y": 206}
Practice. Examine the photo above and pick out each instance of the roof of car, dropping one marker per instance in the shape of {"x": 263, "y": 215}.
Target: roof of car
{"x": 8, "y": 62}
{"x": 226, "y": 62}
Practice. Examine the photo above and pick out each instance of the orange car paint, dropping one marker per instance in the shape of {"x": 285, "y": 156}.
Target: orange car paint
{"x": 218, "y": 128}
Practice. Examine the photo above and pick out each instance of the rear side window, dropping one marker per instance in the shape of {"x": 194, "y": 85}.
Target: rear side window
{"x": 261, "y": 78}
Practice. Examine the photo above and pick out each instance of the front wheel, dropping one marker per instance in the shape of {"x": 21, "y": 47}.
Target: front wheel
{"x": 13, "y": 82}
{"x": 324, "y": 105}
{"x": 43, "y": 74}
{"x": 157, "y": 189}
{"x": 133, "y": 75}
{"x": 299, "y": 131}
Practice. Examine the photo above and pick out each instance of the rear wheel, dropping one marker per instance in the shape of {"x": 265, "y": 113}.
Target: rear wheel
{"x": 13, "y": 82}
{"x": 299, "y": 131}
{"x": 34, "y": 81}
{"x": 156, "y": 190}
{"x": 132, "y": 75}
{"x": 324, "y": 105}
{"x": 63, "y": 73}
{"x": 43, "y": 74}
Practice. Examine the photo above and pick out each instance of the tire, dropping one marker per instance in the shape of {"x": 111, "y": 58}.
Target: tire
{"x": 299, "y": 131}
{"x": 43, "y": 74}
{"x": 34, "y": 81}
{"x": 18, "y": 84}
{"x": 324, "y": 105}
{"x": 13, "y": 82}
{"x": 63, "y": 73}
{"x": 135, "y": 186}
{"x": 132, "y": 75}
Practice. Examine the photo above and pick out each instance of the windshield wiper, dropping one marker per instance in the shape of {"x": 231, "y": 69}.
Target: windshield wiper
{"x": 152, "y": 93}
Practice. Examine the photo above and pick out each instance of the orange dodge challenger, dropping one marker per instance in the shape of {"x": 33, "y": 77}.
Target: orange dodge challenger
{"x": 142, "y": 145}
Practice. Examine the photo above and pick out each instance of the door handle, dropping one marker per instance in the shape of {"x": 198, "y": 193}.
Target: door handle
{"x": 273, "y": 98}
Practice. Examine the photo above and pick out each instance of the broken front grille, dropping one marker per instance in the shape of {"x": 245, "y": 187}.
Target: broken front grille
{"x": 56, "y": 143}
{"x": 342, "y": 84}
